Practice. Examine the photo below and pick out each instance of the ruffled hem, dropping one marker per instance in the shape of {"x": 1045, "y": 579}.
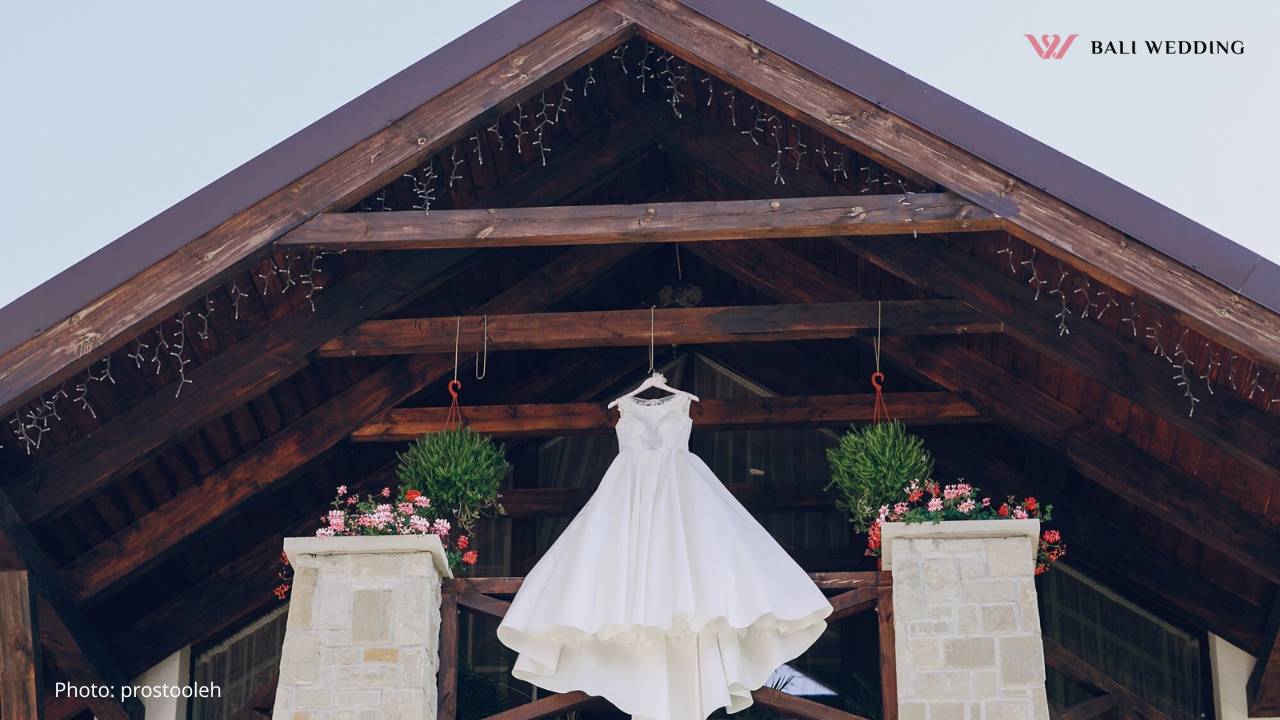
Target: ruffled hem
{"x": 683, "y": 626}
{"x": 724, "y": 662}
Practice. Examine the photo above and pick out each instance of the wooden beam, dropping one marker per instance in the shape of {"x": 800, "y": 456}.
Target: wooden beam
{"x": 795, "y": 707}
{"x": 852, "y": 602}
{"x": 1068, "y": 663}
{"x": 155, "y": 293}
{"x": 226, "y": 381}
{"x": 69, "y": 643}
{"x": 552, "y": 705}
{"x": 447, "y": 681}
{"x": 404, "y": 424}
{"x": 264, "y": 359}
{"x": 1089, "y": 709}
{"x": 1096, "y": 351}
{"x": 20, "y": 664}
{"x": 1264, "y": 681}
{"x": 645, "y": 223}
{"x": 671, "y": 326}
{"x": 484, "y": 604}
{"x": 1104, "y": 457}
{"x": 1050, "y": 224}
{"x": 510, "y": 585}
{"x": 159, "y": 533}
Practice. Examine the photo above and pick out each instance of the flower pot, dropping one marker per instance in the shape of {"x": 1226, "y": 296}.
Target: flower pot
{"x": 956, "y": 530}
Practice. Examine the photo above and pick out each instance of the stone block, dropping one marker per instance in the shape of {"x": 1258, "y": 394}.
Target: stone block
{"x": 403, "y": 705}
{"x": 302, "y": 599}
{"x": 967, "y": 620}
{"x": 333, "y": 604}
{"x": 357, "y": 698}
{"x": 1010, "y": 557}
{"x": 368, "y": 677}
{"x": 381, "y": 655}
{"x": 912, "y": 711}
{"x": 946, "y": 711}
{"x": 371, "y": 617}
{"x": 925, "y": 653}
{"x": 1006, "y": 710}
{"x": 997, "y": 619}
{"x": 300, "y": 658}
{"x": 305, "y": 697}
{"x": 942, "y": 685}
{"x": 990, "y": 591}
{"x": 986, "y": 684}
{"x": 1021, "y": 660}
{"x": 382, "y": 565}
{"x": 970, "y": 652}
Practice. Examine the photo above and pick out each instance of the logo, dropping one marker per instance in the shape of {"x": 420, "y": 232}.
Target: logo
{"x": 1051, "y": 47}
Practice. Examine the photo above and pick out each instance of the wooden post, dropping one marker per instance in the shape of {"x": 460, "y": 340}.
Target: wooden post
{"x": 448, "y": 674}
{"x": 888, "y": 648}
{"x": 20, "y": 668}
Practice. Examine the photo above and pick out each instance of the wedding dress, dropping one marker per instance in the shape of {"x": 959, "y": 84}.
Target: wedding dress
{"x": 663, "y": 595}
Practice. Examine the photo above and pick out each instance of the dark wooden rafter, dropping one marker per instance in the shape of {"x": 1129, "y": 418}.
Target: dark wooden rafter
{"x": 1033, "y": 215}
{"x": 1093, "y": 350}
{"x": 267, "y": 358}
{"x": 20, "y": 664}
{"x": 673, "y": 326}
{"x": 646, "y": 223}
{"x": 554, "y": 419}
{"x": 1264, "y": 681}
{"x": 225, "y": 382}
{"x": 1098, "y": 453}
{"x": 160, "y": 532}
{"x": 155, "y": 293}
{"x": 68, "y": 642}
{"x": 1089, "y": 709}
{"x": 1068, "y": 663}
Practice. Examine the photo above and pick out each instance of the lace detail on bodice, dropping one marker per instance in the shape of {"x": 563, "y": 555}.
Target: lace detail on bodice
{"x": 651, "y": 425}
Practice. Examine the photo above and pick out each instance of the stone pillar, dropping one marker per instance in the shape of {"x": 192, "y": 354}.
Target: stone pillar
{"x": 362, "y": 639}
{"x": 966, "y": 623}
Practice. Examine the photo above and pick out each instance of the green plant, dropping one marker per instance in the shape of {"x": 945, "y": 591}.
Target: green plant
{"x": 458, "y": 469}
{"x": 871, "y": 465}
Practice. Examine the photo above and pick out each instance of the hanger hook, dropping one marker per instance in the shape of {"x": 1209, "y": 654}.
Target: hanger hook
{"x": 482, "y": 365}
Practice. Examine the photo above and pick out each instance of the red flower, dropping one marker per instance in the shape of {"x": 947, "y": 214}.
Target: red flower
{"x": 470, "y": 557}
{"x": 1031, "y": 505}
{"x": 934, "y": 490}
{"x": 463, "y": 542}
{"x": 281, "y": 591}
{"x": 915, "y": 495}
{"x": 1004, "y": 510}
{"x": 412, "y": 495}
{"x": 1051, "y": 536}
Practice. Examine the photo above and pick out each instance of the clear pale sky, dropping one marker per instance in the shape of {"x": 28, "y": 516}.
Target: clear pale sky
{"x": 115, "y": 111}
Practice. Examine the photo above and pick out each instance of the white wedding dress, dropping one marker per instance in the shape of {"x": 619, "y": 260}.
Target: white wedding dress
{"x": 663, "y": 595}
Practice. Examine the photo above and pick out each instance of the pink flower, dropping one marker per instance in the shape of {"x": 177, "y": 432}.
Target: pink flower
{"x": 441, "y": 527}
{"x": 337, "y": 520}
{"x": 404, "y": 508}
{"x": 386, "y": 492}
{"x": 1019, "y": 513}
{"x": 420, "y": 524}
{"x": 351, "y": 500}
{"x": 342, "y": 489}
{"x": 900, "y": 509}
{"x": 324, "y": 532}
{"x": 986, "y": 502}
{"x": 884, "y": 513}
{"x": 422, "y": 501}
{"x": 934, "y": 505}
{"x": 967, "y": 506}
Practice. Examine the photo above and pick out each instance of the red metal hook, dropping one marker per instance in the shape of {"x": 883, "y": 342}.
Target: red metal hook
{"x": 454, "y": 386}
{"x": 877, "y": 378}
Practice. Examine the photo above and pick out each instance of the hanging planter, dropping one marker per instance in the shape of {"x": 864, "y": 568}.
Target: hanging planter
{"x": 460, "y": 470}
{"x": 871, "y": 466}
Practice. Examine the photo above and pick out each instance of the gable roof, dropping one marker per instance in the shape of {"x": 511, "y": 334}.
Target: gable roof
{"x": 1036, "y": 164}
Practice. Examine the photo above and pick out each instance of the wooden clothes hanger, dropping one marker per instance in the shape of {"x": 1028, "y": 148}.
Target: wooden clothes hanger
{"x": 655, "y": 379}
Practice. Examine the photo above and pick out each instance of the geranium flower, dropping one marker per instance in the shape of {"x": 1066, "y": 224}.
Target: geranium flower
{"x": 412, "y": 495}
{"x": 471, "y": 557}
{"x": 935, "y": 505}
{"x": 1051, "y": 536}
{"x": 441, "y": 527}
{"x": 1004, "y": 510}
{"x": 386, "y": 492}
{"x": 463, "y": 542}
{"x": 967, "y": 506}
{"x": 342, "y": 489}
{"x": 1030, "y": 504}
{"x": 1019, "y": 514}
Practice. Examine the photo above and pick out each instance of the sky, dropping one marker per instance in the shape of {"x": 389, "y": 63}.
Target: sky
{"x": 115, "y": 111}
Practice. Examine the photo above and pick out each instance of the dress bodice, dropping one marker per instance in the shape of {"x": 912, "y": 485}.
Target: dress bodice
{"x": 650, "y": 425}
